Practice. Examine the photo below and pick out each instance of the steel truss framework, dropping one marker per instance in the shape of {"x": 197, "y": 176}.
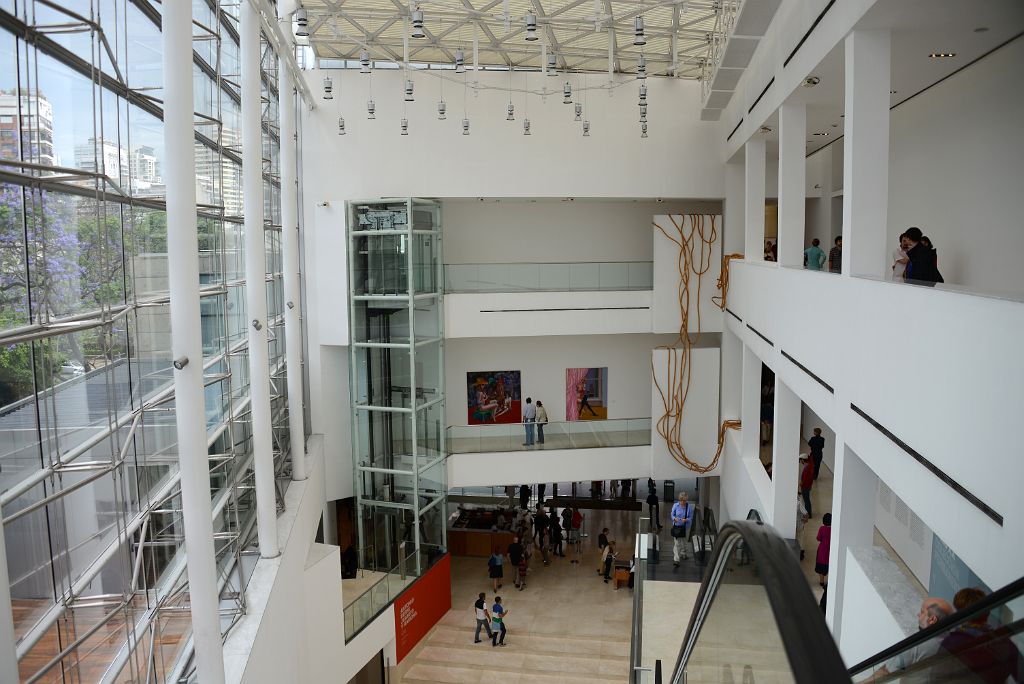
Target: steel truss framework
{"x": 88, "y": 463}
{"x": 585, "y": 35}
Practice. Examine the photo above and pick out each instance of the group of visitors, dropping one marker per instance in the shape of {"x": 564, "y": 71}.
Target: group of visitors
{"x": 492, "y": 620}
{"x": 542, "y": 532}
{"x": 916, "y": 260}
{"x": 814, "y": 256}
{"x": 534, "y": 416}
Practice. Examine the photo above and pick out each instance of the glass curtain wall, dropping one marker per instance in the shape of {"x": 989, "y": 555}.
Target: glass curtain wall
{"x": 397, "y": 382}
{"x": 90, "y": 499}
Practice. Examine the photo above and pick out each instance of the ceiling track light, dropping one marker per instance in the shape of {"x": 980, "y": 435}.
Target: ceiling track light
{"x": 465, "y": 127}
{"x": 341, "y": 125}
{"x": 765, "y": 129}
{"x": 371, "y": 110}
{"x": 643, "y": 130}
{"x": 567, "y": 93}
{"x": 364, "y": 62}
{"x": 511, "y": 112}
{"x": 811, "y": 81}
{"x": 301, "y": 23}
{"x": 405, "y": 127}
{"x": 579, "y": 112}
{"x": 638, "y": 31}
{"x": 531, "y": 26}
{"x": 408, "y": 90}
{"x": 552, "y": 64}
{"x": 526, "y": 126}
{"x": 641, "y": 68}
{"x": 417, "y": 24}
{"x": 328, "y": 88}
{"x": 586, "y": 129}
{"x": 942, "y": 55}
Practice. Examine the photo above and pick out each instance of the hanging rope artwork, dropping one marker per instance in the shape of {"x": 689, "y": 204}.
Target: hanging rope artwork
{"x": 694, "y": 235}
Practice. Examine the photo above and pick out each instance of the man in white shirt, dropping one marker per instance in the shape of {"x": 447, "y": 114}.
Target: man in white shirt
{"x": 529, "y": 418}
{"x": 483, "y": 617}
{"x": 932, "y": 610}
{"x": 900, "y": 259}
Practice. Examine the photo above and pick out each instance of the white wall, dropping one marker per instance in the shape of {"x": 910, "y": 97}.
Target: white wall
{"x": 669, "y": 261}
{"x": 905, "y": 532}
{"x": 497, "y": 468}
{"x": 699, "y": 431}
{"x": 866, "y": 606}
{"x": 810, "y": 420}
{"x": 954, "y": 169}
{"x": 323, "y": 622}
{"x": 543, "y": 362}
{"x": 555, "y": 230}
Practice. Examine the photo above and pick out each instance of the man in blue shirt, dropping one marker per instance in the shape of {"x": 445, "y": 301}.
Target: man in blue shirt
{"x": 498, "y": 614}
{"x": 529, "y": 417}
{"x": 682, "y": 513}
{"x": 814, "y": 256}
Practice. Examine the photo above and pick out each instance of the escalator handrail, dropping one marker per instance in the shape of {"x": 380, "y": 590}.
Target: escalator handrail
{"x": 812, "y": 654}
{"x": 988, "y": 604}
{"x": 754, "y": 515}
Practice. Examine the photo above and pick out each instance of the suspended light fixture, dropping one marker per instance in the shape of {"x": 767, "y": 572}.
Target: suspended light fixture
{"x": 460, "y": 61}
{"x": 643, "y": 94}
{"x": 531, "y": 26}
{"x": 526, "y": 126}
{"x": 643, "y": 130}
{"x": 417, "y": 24}
{"x": 328, "y": 88}
{"x": 579, "y": 112}
{"x": 586, "y": 129}
{"x": 405, "y": 127}
{"x": 638, "y": 31}
{"x": 301, "y": 23}
{"x": 465, "y": 127}
{"x": 567, "y": 93}
{"x": 341, "y": 125}
{"x": 408, "y": 90}
{"x": 643, "y": 113}
{"x": 371, "y": 110}
{"x": 442, "y": 109}
{"x": 641, "y": 67}
{"x": 552, "y": 64}
{"x": 364, "y": 62}
{"x": 511, "y": 112}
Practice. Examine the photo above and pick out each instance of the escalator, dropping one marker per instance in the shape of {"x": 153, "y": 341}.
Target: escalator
{"x": 756, "y": 620}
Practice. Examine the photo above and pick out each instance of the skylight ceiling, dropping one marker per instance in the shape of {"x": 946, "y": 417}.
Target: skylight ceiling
{"x": 576, "y": 30}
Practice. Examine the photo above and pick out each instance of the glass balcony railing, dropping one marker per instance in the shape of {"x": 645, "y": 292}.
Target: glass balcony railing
{"x": 558, "y": 277}
{"x": 582, "y": 434}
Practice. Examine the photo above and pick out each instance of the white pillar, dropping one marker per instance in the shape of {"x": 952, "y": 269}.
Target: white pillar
{"x": 866, "y": 154}
{"x": 792, "y": 181}
{"x": 854, "y": 493}
{"x": 186, "y": 340}
{"x": 290, "y": 256}
{"x": 753, "y": 204}
{"x": 8, "y": 657}
{"x": 735, "y": 225}
{"x": 255, "y": 282}
{"x": 750, "y": 439}
{"x": 785, "y": 459}
{"x": 827, "y": 232}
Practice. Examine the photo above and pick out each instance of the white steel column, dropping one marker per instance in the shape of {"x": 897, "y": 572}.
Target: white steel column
{"x": 186, "y": 341}
{"x": 8, "y": 657}
{"x": 750, "y": 407}
{"x": 792, "y": 182}
{"x": 255, "y": 282}
{"x": 753, "y": 199}
{"x": 785, "y": 459}
{"x": 866, "y": 154}
{"x": 827, "y": 232}
{"x": 287, "y": 102}
{"x": 735, "y": 224}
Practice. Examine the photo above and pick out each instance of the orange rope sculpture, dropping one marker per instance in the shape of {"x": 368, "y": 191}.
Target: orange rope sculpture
{"x": 695, "y": 254}
{"x": 723, "y": 280}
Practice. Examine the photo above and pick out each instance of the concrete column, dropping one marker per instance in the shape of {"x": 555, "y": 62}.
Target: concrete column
{"x": 792, "y": 181}
{"x": 750, "y": 441}
{"x": 753, "y": 199}
{"x": 866, "y": 154}
{"x": 731, "y": 375}
{"x": 735, "y": 226}
{"x": 854, "y": 492}
{"x": 179, "y": 170}
{"x": 786, "y": 459}
{"x": 255, "y": 282}
{"x": 827, "y": 232}
{"x": 290, "y": 256}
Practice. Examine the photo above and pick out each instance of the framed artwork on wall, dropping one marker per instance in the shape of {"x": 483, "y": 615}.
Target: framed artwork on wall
{"x": 586, "y": 394}
{"x": 493, "y": 397}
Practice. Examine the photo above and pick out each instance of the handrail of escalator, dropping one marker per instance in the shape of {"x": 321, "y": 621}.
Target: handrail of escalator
{"x": 987, "y": 605}
{"x": 810, "y": 650}
{"x": 753, "y": 515}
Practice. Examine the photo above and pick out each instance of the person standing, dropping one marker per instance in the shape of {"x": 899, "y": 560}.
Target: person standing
{"x": 494, "y": 567}
{"x": 814, "y": 256}
{"x": 556, "y": 537}
{"x": 835, "y": 257}
{"x": 654, "y": 508}
{"x": 498, "y": 614}
{"x": 602, "y": 543}
{"x": 922, "y": 267}
{"x": 682, "y": 514}
{"x": 806, "y": 482}
{"x": 483, "y": 618}
{"x": 529, "y": 418}
{"x": 900, "y": 259}
{"x": 515, "y": 554}
{"x": 541, "y": 488}
{"x": 824, "y": 540}
{"x": 817, "y": 445}
{"x": 524, "y": 496}
{"x": 608, "y": 559}
{"x": 522, "y": 568}
{"x": 540, "y": 523}
{"x": 542, "y": 419}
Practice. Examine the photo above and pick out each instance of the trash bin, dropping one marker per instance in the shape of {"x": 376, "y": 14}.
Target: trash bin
{"x": 669, "y": 492}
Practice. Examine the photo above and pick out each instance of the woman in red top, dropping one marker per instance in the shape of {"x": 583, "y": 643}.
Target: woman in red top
{"x": 824, "y": 539}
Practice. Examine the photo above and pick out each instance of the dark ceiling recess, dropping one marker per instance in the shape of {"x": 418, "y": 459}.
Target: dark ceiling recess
{"x": 807, "y": 35}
